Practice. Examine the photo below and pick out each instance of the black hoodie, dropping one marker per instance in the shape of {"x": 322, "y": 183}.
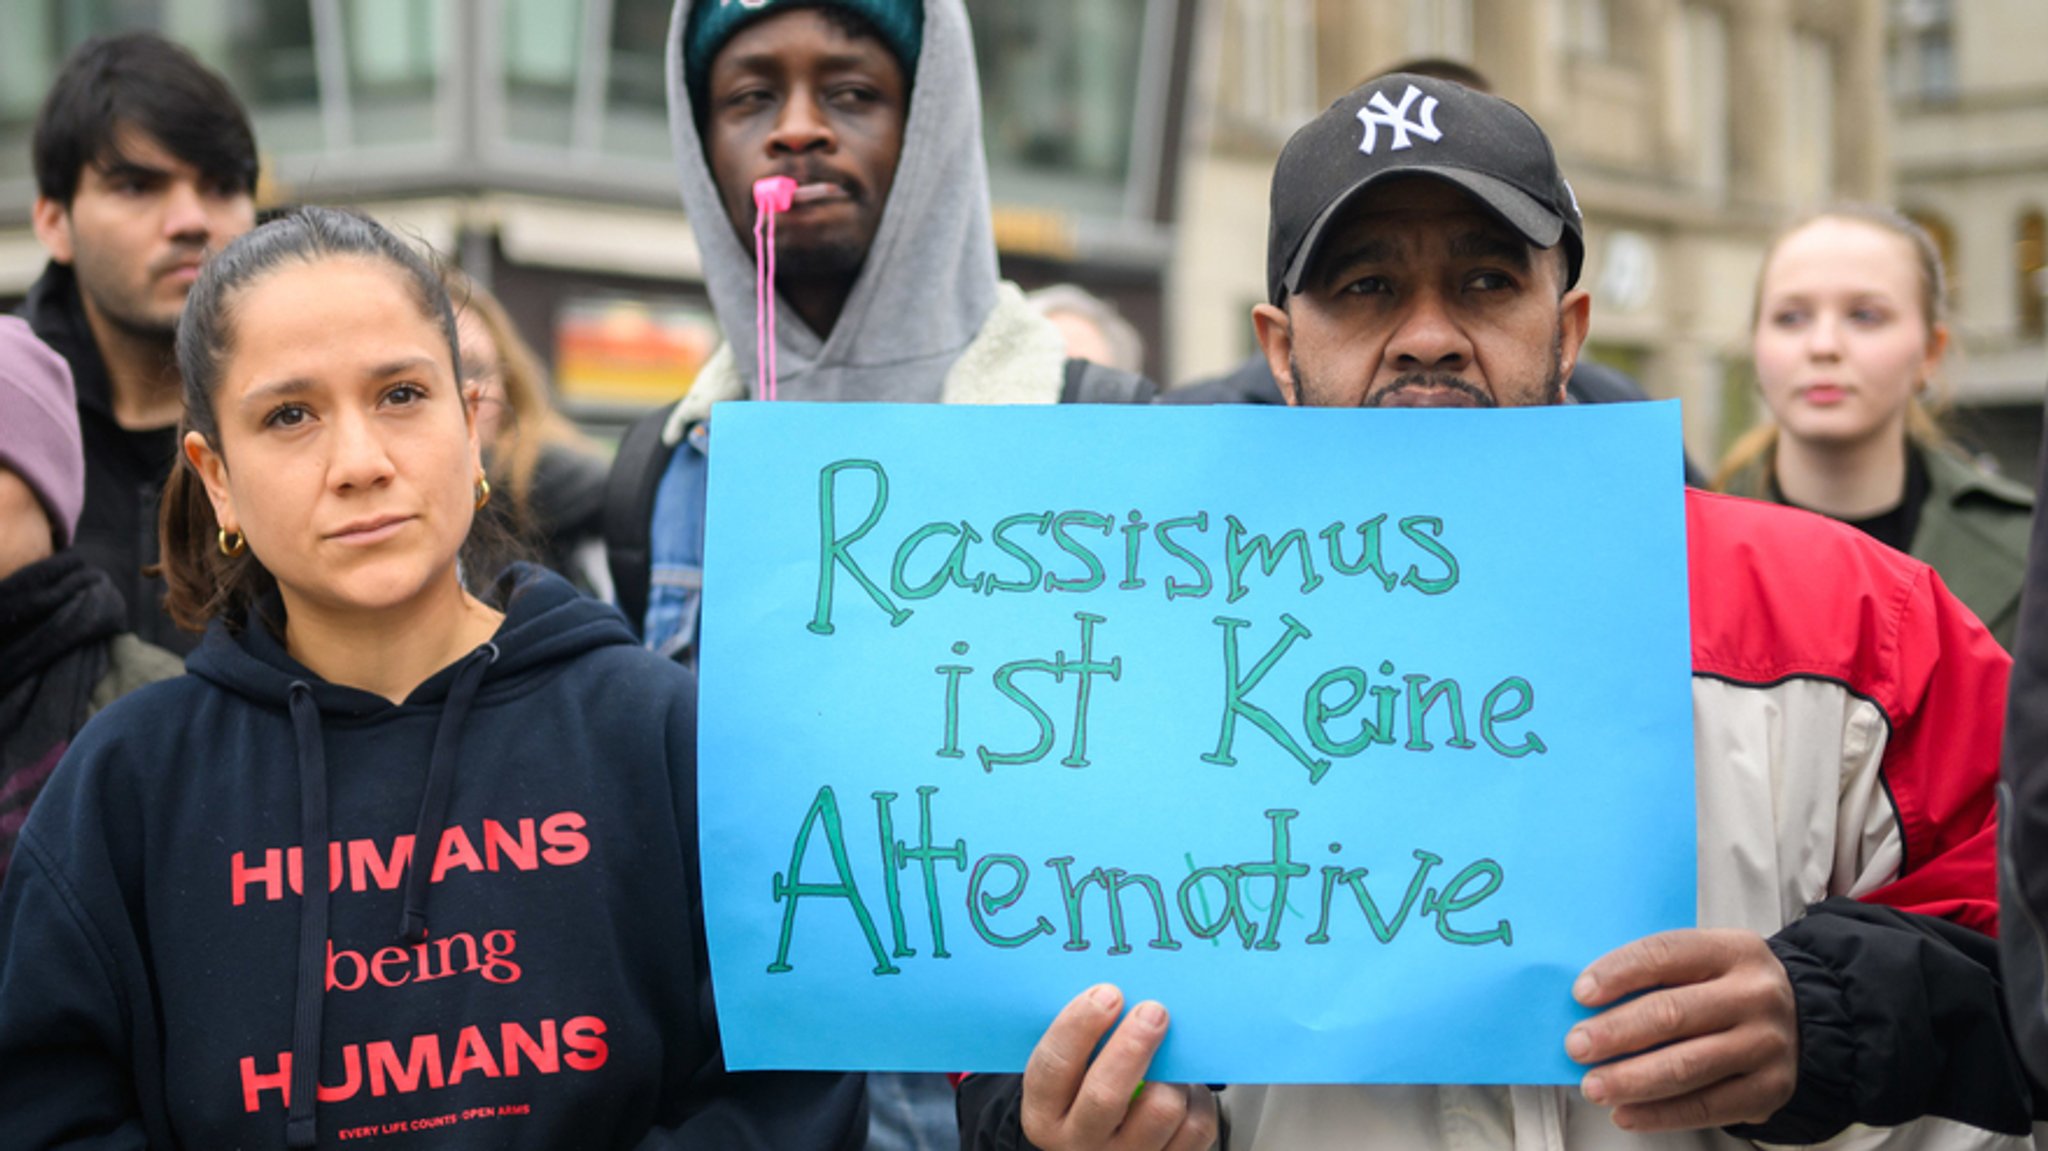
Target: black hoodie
{"x": 125, "y": 469}
{"x": 541, "y": 985}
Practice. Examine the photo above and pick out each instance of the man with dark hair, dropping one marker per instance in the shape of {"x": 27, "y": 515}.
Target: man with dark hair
{"x": 884, "y": 256}
{"x": 145, "y": 164}
{"x": 1424, "y": 252}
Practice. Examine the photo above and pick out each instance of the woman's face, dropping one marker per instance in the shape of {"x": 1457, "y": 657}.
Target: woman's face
{"x": 483, "y": 369}
{"x": 1842, "y": 344}
{"x": 345, "y": 456}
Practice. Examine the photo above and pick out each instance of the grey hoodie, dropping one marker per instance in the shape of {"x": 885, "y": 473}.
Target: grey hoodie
{"x": 934, "y": 255}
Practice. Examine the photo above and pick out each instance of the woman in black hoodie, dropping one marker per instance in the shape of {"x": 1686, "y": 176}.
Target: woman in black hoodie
{"x": 486, "y": 797}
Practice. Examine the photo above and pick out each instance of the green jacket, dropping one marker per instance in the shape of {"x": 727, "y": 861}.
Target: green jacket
{"x": 1972, "y": 530}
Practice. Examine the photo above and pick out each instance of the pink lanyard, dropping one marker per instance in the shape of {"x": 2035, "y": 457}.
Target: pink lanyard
{"x": 772, "y": 194}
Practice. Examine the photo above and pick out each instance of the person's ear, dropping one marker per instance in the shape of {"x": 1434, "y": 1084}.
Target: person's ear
{"x": 1275, "y": 331}
{"x": 1937, "y": 347}
{"x": 213, "y": 472}
{"x": 52, "y": 222}
{"x": 1574, "y": 320}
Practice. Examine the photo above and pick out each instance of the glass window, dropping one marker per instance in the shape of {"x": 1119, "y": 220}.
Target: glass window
{"x": 1923, "y": 49}
{"x": 1059, "y": 82}
{"x": 542, "y": 40}
{"x": 29, "y": 56}
{"x": 1812, "y": 120}
{"x": 636, "y": 91}
{"x": 1269, "y": 66}
{"x": 1702, "y": 55}
{"x": 587, "y": 76}
{"x": 265, "y": 50}
{"x": 395, "y": 64}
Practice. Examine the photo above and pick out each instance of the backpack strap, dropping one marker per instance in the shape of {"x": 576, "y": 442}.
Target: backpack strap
{"x": 629, "y": 512}
{"x": 1090, "y": 383}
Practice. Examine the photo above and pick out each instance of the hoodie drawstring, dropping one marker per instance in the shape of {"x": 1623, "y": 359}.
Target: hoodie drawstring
{"x": 298, "y": 1131}
{"x": 426, "y": 840}
{"x": 772, "y": 194}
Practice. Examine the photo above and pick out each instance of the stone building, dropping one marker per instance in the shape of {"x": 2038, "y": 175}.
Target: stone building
{"x": 1970, "y": 146}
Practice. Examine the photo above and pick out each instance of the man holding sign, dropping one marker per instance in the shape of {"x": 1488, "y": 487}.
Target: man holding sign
{"x": 1423, "y": 253}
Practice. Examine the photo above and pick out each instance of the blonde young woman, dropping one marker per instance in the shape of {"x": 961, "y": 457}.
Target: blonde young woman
{"x": 402, "y": 856}
{"x": 1849, "y": 336}
{"x": 551, "y": 476}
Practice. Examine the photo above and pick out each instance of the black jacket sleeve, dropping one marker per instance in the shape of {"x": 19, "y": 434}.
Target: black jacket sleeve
{"x": 988, "y": 1110}
{"x": 2023, "y": 816}
{"x": 76, "y": 1035}
{"x": 1900, "y": 1015}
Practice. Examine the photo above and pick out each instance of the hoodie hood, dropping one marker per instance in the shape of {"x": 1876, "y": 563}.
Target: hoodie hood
{"x": 546, "y": 622}
{"x": 934, "y": 255}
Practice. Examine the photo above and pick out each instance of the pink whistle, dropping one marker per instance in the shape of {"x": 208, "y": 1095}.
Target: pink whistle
{"x": 774, "y": 194}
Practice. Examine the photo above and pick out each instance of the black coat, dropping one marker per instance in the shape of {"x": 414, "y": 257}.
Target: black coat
{"x": 2023, "y": 819}
{"x": 125, "y": 470}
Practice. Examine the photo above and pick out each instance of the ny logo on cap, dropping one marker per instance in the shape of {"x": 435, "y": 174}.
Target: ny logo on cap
{"x": 1395, "y": 116}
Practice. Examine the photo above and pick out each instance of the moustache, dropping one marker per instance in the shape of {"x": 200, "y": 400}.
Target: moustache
{"x": 178, "y": 258}
{"x": 1432, "y": 380}
{"x": 814, "y": 173}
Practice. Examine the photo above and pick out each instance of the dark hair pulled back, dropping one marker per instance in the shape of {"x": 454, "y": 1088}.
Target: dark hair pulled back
{"x": 204, "y": 583}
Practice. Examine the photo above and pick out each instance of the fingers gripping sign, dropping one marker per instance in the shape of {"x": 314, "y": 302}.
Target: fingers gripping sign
{"x": 1074, "y": 1104}
{"x": 1712, "y": 1038}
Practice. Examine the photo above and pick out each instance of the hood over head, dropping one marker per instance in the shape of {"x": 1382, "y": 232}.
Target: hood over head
{"x": 930, "y": 277}
{"x": 899, "y": 22}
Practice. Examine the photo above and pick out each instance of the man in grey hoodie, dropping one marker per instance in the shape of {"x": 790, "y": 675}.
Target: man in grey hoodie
{"x": 886, "y": 275}
{"x": 885, "y": 257}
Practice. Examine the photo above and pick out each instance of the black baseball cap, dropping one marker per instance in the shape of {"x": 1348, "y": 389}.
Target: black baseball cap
{"x": 1408, "y": 125}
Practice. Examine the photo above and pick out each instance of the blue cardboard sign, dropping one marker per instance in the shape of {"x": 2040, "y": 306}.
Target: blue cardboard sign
{"x": 1351, "y": 736}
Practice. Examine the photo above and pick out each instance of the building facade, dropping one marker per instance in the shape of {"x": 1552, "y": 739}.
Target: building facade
{"x": 528, "y": 140}
{"x": 1130, "y": 147}
{"x": 1970, "y": 136}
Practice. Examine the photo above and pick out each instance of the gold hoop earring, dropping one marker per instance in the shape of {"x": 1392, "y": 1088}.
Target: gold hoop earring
{"x": 232, "y": 550}
{"x": 483, "y": 492}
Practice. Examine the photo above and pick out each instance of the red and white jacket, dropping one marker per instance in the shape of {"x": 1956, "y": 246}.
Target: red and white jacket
{"x": 1847, "y": 714}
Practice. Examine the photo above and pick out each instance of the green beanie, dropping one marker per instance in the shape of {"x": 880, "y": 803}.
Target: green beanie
{"x": 900, "y": 23}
